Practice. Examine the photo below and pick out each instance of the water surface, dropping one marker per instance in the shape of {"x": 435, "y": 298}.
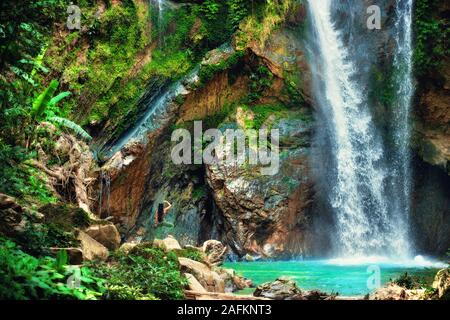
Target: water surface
{"x": 348, "y": 278}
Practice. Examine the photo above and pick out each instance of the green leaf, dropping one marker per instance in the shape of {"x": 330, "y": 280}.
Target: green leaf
{"x": 72, "y": 126}
{"x": 58, "y": 98}
{"x": 40, "y": 104}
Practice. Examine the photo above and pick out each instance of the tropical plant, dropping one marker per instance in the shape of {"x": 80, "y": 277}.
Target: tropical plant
{"x": 27, "y": 278}
{"x": 75, "y": 128}
{"x": 143, "y": 273}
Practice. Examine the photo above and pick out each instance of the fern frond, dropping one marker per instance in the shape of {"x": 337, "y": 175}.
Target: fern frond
{"x": 40, "y": 104}
{"x": 75, "y": 128}
{"x": 58, "y": 98}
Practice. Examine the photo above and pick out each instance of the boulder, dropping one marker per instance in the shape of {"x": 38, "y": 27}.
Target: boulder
{"x": 442, "y": 284}
{"x": 11, "y": 222}
{"x": 208, "y": 278}
{"x": 168, "y": 244}
{"x": 127, "y": 247}
{"x": 233, "y": 282}
{"x": 393, "y": 291}
{"x": 107, "y": 235}
{"x": 280, "y": 289}
{"x": 91, "y": 248}
{"x": 7, "y": 202}
{"x": 214, "y": 251}
{"x": 193, "y": 283}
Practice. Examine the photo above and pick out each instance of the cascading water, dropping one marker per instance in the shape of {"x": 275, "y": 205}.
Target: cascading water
{"x": 155, "y": 115}
{"x": 358, "y": 175}
{"x": 160, "y": 6}
{"x": 401, "y": 110}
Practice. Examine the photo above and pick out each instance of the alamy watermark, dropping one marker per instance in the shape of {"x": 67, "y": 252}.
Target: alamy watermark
{"x": 374, "y": 19}
{"x": 233, "y": 147}
{"x": 74, "y": 18}
{"x": 374, "y": 279}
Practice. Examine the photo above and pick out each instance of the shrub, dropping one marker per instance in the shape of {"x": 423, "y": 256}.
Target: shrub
{"x": 144, "y": 273}
{"x": 191, "y": 253}
{"x": 27, "y": 278}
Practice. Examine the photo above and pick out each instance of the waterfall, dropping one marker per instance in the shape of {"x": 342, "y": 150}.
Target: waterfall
{"x": 160, "y": 6}
{"x": 157, "y": 112}
{"x": 401, "y": 126}
{"x": 357, "y": 171}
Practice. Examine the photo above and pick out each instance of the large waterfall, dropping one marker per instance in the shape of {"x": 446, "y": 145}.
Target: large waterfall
{"x": 363, "y": 179}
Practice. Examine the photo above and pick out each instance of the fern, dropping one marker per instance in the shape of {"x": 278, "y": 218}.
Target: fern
{"x": 58, "y": 98}
{"x": 40, "y": 104}
{"x": 79, "y": 131}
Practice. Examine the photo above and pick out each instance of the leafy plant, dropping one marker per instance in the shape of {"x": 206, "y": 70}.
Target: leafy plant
{"x": 144, "y": 272}
{"x": 191, "y": 253}
{"x": 42, "y": 102}
{"x": 25, "y": 277}
{"x": 75, "y": 128}
{"x": 431, "y": 37}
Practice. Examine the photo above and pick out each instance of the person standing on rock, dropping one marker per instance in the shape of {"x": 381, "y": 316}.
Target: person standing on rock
{"x": 161, "y": 212}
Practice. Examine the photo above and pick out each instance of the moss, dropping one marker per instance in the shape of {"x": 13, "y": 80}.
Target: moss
{"x": 190, "y": 253}
{"x": 65, "y": 216}
{"x": 431, "y": 37}
{"x": 207, "y": 72}
{"x": 199, "y": 193}
{"x": 262, "y": 112}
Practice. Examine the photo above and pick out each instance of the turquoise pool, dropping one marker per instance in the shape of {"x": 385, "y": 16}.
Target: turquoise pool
{"x": 345, "y": 277}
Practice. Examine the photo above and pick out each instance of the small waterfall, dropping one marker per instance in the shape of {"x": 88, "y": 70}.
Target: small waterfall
{"x": 157, "y": 112}
{"x": 160, "y": 7}
{"x": 357, "y": 174}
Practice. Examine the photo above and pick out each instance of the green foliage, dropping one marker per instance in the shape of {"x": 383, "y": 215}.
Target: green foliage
{"x": 23, "y": 27}
{"x": 18, "y": 179}
{"x": 124, "y": 292}
{"x": 27, "y": 278}
{"x": 262, "y": 112}
{"x": 145, "y": 272}
{"x": 409, "y": 282}
{"x": 42, "y": 102}
{"x": 207, "y": 72}
{"x": 76, "y": 129}
{"x": 191, "y": 253}
{"x": 431, "y": 42}
{"x": 198, "y": 193}
{"x": 260, "y": 80}
{"x": 38, "y": 239}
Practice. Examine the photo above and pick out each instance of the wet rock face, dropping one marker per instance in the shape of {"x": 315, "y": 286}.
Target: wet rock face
{"x": 433, "y": 118}
{"x": 250, "y": 213}
{"x": 430, "y": 217}
{"x": 267, "y": 215}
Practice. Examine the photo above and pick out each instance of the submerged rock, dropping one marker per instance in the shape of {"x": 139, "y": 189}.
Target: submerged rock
{"x": 280, "y": 289}
{"x": 287, "y": 289}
